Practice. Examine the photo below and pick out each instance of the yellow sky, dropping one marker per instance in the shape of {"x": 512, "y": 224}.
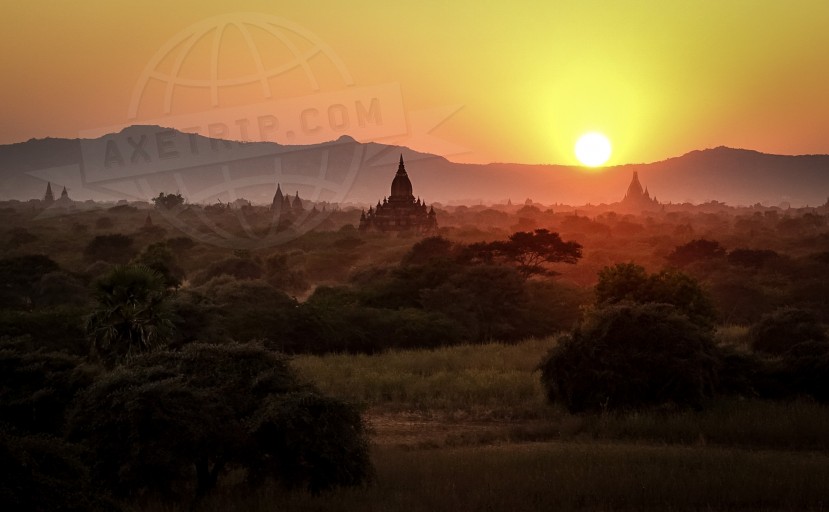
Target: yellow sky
{"x": 659, "y": 78}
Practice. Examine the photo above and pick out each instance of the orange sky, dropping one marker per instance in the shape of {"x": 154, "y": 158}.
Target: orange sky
{"x": 476, "y": 81}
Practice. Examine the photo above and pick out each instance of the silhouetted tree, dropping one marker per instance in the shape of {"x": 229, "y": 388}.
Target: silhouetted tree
{"x": 161, "y": 259}
{"x": 783, "y": 330}
{"x": 695, "y": 250}
{"x": 168, "y": 201}
{"x": 630, "y": 282}
{"x": 428, "y": 249}
{"x": 115, "y": 248}
{"x": 175, "y": 422}
{"x": 629, "y": 356}
{"x": 18, "y": 277}
{"x": 753, "y": 258}
{"x": 132, "y": 314}
{"x": 529, "y": 252}
{"x": 239, "y": 268}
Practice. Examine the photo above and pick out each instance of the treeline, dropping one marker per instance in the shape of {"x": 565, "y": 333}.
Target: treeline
{"x": 649, "y": 341}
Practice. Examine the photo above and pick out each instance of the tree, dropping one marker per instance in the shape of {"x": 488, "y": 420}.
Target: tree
{"x": 694, "y": 251}
{"x": 115, "y": 248}
{"x": 783, "y": 330}
{"x": 161, "y": 259}
{"x": 630, "y": 356}
{"x": 19, "y": 276}
{"x": 629, "y": 282}
{"x": 239, "y": 268}
{"x": 428, "y": 249}
{"x": 173, "y": 423}
{"x": 753, "y": 258}
{"x": 530, "y": 252}
{"x": 487, "y": 300}
{"x": 132, "y": 314}
{"x": 168, "y": 201}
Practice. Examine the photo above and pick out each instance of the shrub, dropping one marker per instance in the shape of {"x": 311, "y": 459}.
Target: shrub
{"x": 172, "y": 423}
{"x": 753, "y": 258}
{"x": 239, "y": 268}
{"x": 43, "y": 474}
{"x": 116, "y": 248}
{"x": 628, "y": 282}
{"x": 783, "y": 330}
{"x": 18, "y": 277}
{"x": 629, "y": 356}
{"x": 695, "y": 250}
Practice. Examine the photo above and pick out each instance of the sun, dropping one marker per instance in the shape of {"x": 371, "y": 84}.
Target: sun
{"x": 593, "y": 149}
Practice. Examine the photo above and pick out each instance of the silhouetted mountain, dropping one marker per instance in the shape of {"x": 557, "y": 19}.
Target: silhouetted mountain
{"x": 141, "y": 161}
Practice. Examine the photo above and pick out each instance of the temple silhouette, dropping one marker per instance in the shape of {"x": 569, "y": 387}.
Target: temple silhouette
{"x": 636, "y": 198}
{"x": 62, "y": 202}
{"x": 400, "y": 212}
{"x": 283, "y": 204}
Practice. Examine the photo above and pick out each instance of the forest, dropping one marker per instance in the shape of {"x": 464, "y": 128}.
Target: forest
{"x": 148, "y": 364}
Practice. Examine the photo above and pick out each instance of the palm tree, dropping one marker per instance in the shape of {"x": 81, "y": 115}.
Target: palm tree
{"x": 132, "y": 314}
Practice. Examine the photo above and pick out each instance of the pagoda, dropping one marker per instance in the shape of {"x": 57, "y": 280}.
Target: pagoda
{"x": 400, "y": 212}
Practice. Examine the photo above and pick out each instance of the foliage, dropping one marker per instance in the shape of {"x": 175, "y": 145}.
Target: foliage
{"x": 167, "y": 422}
{"x": 43, "y": 474}
{"x": 132, "y": 314}
{"x": 628, "y": 282}
{"x": 59, "y": 329}
{"x": 427, "y": 250}
{"x": 529, "y": 252}
{"x": 752, "y": 258}
{"x": 784, "y": 330}
{"x": 161, "y": 259}
{"x": 239, "y": 268}
{"x": 57, "y": 288}
{"x": 115, "y": 248}
{"x": 20, "y": 236}
{"x": 168, "y": 201}
{"x": 37, "y": 386}
{"x": 280, "y": 274}
{"x": 695, "y": 250}
{"x": 242, "y": 311}
{"x": 485, "y": 299}
{"x": 630, "y": 356}
{"x": 18, "y": 277}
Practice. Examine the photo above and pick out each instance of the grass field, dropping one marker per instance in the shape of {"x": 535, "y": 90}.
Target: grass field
{"x": 467, "y": 429}
{"x": 558, "y": 476}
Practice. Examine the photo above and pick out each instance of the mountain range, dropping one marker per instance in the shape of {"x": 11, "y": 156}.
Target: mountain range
{"x": 140, "y": 161}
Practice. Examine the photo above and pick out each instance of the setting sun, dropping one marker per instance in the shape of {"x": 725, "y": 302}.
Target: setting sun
{"x": 593, "y": 149}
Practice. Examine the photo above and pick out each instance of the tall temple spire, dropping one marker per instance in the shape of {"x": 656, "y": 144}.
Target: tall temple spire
{"x": 49, "y": 197}
{"x": 635, "y": 188}
{"x": 401, "y": 169}
{"x": 401, "y": 186}
{"x": 278, "y": 199}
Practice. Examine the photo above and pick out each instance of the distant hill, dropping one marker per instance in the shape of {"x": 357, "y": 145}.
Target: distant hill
{"x": 141, "y": 161}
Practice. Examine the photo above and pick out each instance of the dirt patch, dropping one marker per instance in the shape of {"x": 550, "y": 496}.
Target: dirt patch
{"x": 419, "y": 431}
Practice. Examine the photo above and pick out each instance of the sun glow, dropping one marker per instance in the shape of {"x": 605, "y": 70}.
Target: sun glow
{"x": 593, "y": 149}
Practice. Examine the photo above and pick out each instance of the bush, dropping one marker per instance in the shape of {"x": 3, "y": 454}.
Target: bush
{"x": 629, "y": 356}
{"x": 172, "y": 423}
{"x": 18, "y": 277}
{"x": 36, "y": 387}
{"x": 783, "y": 330}
{"x": 696, "y": 250}
{"x": 43, "y": 474}
{"x": 116, "y": 248}
{"x": 628, "y": 282}
{"x": 239, "y": 268}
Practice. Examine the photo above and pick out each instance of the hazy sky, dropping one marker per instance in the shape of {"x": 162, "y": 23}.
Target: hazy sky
{"x": 503, "y": 81}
